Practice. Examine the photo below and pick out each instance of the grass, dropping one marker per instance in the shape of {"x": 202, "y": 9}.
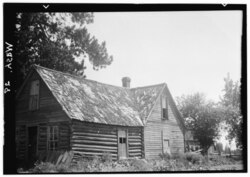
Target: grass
{"x": 177, "y": 162}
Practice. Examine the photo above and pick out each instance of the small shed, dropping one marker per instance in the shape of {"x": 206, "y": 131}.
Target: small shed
{"x": 191, "y": 144}
{"x": 57, "y": 111}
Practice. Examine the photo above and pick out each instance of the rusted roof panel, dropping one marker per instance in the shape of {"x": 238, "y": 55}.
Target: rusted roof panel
{"x": 91, "y": 101}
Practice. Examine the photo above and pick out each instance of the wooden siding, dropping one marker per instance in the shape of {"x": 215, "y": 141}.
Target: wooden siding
{"x": 64, "y": 136}
{"x": 47, "y": 103}
{"x": 93, "y": 139}
{"x": 135, "y": 143}
{"x": 158, "y": 129}
{"x": 152, "y": 133}
{"x": 22, "y": 138}
{"x": 21, "y": 142}
{"x": 49, "y": 113}
{"x": 90, "y": 139}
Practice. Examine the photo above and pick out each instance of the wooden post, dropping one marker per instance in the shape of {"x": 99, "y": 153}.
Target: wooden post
{"x": 142, "y": 144}
{"x": 127, "y": 143}
{"x": 117, "y": 144}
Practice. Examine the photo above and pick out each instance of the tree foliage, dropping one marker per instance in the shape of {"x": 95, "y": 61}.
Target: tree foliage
{"x": 230, "y": 102}
{"x": 55, "y": 40}
{"x": 201, "y": 117}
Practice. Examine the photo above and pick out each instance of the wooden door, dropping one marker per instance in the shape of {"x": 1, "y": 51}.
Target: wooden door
{"x": 122, "y": 144}
{"x": 32, "y": 144}
{"x": 165, "y": 142}
{"x": 166, "y": 146}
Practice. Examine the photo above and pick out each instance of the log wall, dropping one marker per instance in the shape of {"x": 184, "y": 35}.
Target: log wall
{"x": 158, "y": 129}
{"x": 90, "y": 139}
{"x": 135, "y": 142}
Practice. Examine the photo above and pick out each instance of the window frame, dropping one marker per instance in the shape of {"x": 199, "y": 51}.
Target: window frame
{"x": 34, "y": 96}
{"x": 164, "y": 109}
{"x": 51, "y": 138}
{"x": 122, "y": 140}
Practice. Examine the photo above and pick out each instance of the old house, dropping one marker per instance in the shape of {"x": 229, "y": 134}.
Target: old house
{"x": 56, "y": 111}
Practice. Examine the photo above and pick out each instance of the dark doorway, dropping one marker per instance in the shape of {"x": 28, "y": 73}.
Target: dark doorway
{"x": 32, "y": 145}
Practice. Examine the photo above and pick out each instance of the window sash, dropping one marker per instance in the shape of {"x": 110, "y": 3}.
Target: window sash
{"x": 122, "y": 140}
{"x": 53, "y": 138}
{"x": 164, "y": 106}
{"x": 34, "y": 95}
{"x": 165, "y": 113}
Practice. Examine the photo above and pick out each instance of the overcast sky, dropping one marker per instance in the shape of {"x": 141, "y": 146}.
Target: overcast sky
{"x": 190, "y": 51}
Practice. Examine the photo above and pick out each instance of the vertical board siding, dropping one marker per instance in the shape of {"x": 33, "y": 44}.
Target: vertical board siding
{"x": 48, "y": 113}
{"x": 47, "y": 102}
{"x": 21, "y": 141}
{"x": 64, "y": 136}
{"x": 152, "y": 131}
{"x": 42, "y": 138}
{"x": 177, "y": 137}
{"x": 158, "y": 129}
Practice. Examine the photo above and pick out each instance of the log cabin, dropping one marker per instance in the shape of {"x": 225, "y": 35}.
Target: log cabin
{"x": 57, "y": 111}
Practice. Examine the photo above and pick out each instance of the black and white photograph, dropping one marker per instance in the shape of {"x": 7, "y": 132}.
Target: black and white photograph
{"x": 124, "y": 88}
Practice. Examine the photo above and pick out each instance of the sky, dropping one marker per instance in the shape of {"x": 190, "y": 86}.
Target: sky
{"x": 190, "y": 51}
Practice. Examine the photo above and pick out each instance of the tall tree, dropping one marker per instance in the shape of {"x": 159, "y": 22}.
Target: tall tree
{"x": 189, "y": 106}
{"x": 56, "y": 40}
{"x": 230, "y": 101}
{"x": 201, "y": 117}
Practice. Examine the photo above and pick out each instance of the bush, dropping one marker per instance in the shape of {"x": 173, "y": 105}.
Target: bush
{"x": 218, "y": 160}
{"x": 81, "y": 166}
{"x": 46, "y": 167}
{"x": 161, "y": 165}
{"x": 106, "y": 157}
{"x": 178, "y": 156}
{"x": 194, "y": 157}
{"x": 177, "y": 162}
{"x": 165, "y": 156}
{"x": 140, "y": 165}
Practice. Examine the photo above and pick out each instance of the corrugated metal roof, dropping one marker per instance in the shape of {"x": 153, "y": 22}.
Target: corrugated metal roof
{"x": 91, "y": 101}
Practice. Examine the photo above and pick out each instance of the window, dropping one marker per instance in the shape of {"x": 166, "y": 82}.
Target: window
{"x": 34, "y": 95}
{"x": 53, "y": 138}
{"x": 164, "y": 105}
{"x": 122, "y": 140}
{"x": 166, "y": 146}
{"x": 166, "y": 142}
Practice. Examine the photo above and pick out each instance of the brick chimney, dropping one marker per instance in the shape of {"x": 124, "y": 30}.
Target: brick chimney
{"x": 126, "y": 82}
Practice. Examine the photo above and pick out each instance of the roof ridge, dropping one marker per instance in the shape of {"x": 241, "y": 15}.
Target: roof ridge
{"x": 141, "y": 87}
{"x": 78, "y": 77}
{"x": 53, "y": 70}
